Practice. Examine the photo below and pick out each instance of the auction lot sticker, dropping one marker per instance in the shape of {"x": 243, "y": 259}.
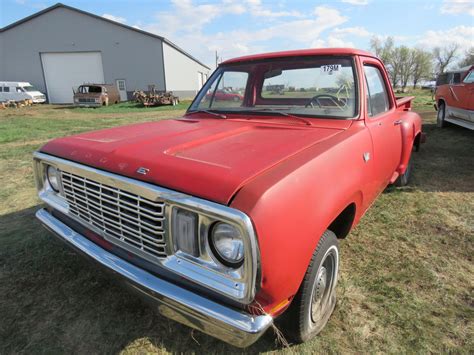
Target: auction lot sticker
{"x": 330, "y": 68}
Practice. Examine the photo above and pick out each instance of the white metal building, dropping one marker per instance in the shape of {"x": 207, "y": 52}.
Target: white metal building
{"x": 61, "y": 47}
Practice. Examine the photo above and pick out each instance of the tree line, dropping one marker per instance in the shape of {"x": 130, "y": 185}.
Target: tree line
{"x": 412, "y": 65}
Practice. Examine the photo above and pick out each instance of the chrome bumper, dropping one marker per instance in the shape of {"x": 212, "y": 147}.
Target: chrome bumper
{"x": 227, "y": 324}
{"x": 89, "y": 104}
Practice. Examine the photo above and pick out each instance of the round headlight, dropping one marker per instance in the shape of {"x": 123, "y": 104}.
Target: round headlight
{"x": 52, "y": 175}
{"x": 227, "y": 244}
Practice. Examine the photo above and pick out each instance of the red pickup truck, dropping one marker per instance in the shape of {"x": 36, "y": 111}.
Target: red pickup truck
{"x": 230, "y": 216}
{"x": 454, "y": 97}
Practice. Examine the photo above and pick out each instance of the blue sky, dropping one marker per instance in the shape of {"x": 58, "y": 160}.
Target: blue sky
{"x": 240, "y": 27}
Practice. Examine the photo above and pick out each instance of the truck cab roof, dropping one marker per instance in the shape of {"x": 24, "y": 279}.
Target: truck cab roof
{"x": 301, "y": 53}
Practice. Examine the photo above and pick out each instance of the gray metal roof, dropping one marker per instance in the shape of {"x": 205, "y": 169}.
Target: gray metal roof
{"x": 59, "y": 5}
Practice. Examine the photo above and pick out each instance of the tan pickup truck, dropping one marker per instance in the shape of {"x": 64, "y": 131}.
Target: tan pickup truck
{"x": 93, "y": 95}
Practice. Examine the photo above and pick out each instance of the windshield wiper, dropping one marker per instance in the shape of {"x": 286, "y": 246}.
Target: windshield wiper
{"x": 210, "y": 113}
{"x": 307, "y": 122}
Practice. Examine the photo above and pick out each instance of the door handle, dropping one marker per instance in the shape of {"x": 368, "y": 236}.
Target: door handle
{"x": 397, "y": 122}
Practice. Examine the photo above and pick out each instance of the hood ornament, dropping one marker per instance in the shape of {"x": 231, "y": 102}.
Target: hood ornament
{"x": 142, "y": 170}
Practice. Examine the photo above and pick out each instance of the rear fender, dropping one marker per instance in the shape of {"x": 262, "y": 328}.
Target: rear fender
{"x": 410, "y": 129}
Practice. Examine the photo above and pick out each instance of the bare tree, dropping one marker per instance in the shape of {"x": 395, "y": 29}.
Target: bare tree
{"x": 445, "y": 56}
{"x": 422, "y": 66}
{"x": 385, "y": 50}
{"x": 381, "y": 49}
{"x": 468, "y": 58}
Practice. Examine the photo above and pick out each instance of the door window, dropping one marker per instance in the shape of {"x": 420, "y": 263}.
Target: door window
{"x": 456, "y": 78}
{"x": 377, "y": 96}
{"x": 18, "y": 89}
{"x": 121, "y": 85}
{"x": 469, "y": 78}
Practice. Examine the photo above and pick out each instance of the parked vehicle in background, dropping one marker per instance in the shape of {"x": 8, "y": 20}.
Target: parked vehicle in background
{"x": 231, "y": 216}
{"x": 429, "y": 85}
{"x": 93, "y": 95}
{"x": 454, "y": 98}
{"x": 226, "y": 94}
{"x": 18, "y": 91}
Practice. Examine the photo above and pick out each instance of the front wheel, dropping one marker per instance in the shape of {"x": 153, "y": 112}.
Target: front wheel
{"x": 315, "y": 301}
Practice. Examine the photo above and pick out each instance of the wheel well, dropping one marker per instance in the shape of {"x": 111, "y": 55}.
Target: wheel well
{"x": 440, "y": 101}
{"x": 341, "y": 226}
{"x": 417, "y": 142}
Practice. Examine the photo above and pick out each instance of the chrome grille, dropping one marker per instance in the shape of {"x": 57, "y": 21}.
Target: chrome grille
{"x": 132, "y": 219}
{"x": 86, "y": 100}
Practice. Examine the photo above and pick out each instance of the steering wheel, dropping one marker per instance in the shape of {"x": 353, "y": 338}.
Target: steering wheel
{"x": 333, "y": 98}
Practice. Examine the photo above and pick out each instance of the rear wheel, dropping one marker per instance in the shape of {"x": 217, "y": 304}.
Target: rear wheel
{"x": 315, "y": 301}
{"x": 404, "y": 179}
{"x": 440, "y": 122}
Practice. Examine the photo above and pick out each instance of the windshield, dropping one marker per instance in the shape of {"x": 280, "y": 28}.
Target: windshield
{"x": 469, "y": 78}
{"x": 30, "y": 88}
{"x": 90, "y": 89}
{"x": 313, "y": 87}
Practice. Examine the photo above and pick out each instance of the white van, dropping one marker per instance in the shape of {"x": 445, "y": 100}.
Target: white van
{"x": 17, "y": 91}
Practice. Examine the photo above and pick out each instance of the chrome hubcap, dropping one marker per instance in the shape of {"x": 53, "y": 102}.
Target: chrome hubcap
{"x": 324, "y": 287}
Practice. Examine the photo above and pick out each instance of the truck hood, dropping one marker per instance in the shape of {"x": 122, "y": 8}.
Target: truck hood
{"x": 208, "y": 158}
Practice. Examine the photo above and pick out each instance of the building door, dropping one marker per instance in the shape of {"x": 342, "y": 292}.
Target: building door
{"x": 65, "y": 71}
{"x": 122, "y": 88}
{"x": 200, "y": 83}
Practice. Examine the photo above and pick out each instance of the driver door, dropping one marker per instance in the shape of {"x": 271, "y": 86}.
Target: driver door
{"x": 383, "y": 123}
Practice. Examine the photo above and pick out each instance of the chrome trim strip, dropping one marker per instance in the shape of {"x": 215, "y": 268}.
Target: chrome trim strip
{"x": 232, "y": 326}
{"x": 239, "y": 285}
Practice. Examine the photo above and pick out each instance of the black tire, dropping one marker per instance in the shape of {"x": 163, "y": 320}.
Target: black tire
{"x": 404, "y": 179}
{"x": 440, "y": 122}
{"x": 300, "y": 322}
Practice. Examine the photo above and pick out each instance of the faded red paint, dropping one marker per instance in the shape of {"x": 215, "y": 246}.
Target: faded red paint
{"x": 291, "y": 178}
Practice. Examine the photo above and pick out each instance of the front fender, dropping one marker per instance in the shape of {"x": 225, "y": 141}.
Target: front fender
{"x": 292, "y": 204}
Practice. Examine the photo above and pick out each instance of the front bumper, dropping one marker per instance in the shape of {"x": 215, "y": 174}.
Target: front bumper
{"x": 232, "y": 326}
{"x": 88, "y": 104}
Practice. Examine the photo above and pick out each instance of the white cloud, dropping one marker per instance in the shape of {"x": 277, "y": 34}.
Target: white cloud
{"x": 114, "y": 18}
{"x": 186, "y": 16}
{"x": 353, "y": 31}
{"x": 256, "y": 9}
{"x": 356, "y": 2}
{"x": 337, "y": 37}
{"x": 185, "y": 22}
{"x": 462, "y": 35}
{"x": 33, "y": 4}
{"x": 458, "y": 7}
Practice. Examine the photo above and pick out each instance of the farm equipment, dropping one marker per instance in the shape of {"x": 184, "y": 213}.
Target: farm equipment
{"x": 155, "y": 98}
{"x": 16, "y": 104}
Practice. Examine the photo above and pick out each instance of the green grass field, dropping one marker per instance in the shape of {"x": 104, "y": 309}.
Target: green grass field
{"x": 407, "y": 274}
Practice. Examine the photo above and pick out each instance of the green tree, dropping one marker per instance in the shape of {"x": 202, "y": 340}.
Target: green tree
{"x": 404, "y": 59}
